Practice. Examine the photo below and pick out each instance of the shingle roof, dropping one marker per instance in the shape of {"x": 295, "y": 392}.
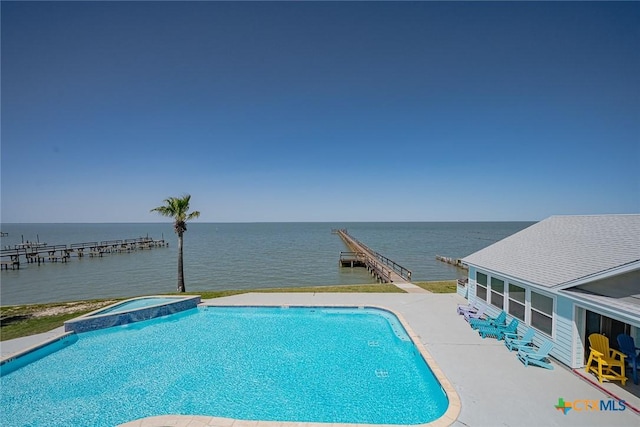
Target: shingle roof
{"x": 562, "y": 249}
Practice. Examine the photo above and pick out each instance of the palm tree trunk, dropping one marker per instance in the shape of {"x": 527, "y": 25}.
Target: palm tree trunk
{"x": 180, "y": 269}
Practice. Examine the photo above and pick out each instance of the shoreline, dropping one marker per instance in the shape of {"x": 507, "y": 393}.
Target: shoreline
{"x": 17, "y": 321}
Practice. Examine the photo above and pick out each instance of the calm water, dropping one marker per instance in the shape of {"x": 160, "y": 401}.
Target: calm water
{"x": 334, "y": 366}
{"x": 234, "y": 256}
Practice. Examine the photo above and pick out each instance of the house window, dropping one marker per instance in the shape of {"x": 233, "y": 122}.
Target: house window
{"x": 542, "y": 312}
{"x": 497, "y": 292}
{"x": 481, "y": 286}
{"x": 516, "y": 301}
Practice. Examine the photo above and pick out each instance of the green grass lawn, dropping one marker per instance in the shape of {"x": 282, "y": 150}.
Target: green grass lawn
{"x": 439, "y": 287}
{"x": 381, "y": 288}
{"x": 23, "y": 320}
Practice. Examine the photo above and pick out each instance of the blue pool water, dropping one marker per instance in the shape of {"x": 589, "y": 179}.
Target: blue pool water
{"x": 286, "y": 364}
{"x": 137, "y": 303}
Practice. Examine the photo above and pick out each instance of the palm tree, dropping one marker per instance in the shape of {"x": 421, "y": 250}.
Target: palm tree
{"x": 178, "y": 208}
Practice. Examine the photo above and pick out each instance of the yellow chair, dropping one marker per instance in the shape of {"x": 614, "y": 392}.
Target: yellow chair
{"x": 605, "y": 359}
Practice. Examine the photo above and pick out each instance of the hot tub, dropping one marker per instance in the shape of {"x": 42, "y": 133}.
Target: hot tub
{"x": 131, "y": 311}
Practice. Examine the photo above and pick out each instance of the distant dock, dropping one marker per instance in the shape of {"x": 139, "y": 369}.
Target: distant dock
{"x": 36, "y": 252}
{"x": 453, "y": 261}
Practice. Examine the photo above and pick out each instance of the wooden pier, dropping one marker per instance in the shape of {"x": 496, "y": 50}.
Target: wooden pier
{"x": 37, "y": 252}
{"x": 381, "y": 267}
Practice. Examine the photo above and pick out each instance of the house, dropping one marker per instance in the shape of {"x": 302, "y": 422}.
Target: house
{"x": 567, "y": 277}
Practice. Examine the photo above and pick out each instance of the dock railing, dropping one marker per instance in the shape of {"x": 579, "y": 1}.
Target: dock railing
{"x": 403, "y": 272}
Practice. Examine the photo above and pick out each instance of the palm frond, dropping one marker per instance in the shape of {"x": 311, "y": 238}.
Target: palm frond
{"x": 177, "y": 208}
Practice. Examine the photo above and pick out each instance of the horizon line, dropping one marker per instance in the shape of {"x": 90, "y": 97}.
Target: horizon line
{"x": 270, "y": 222}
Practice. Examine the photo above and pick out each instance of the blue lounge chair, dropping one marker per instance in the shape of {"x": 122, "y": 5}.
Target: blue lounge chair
{"x": 514, "y": 343}
{"x": 498, "y": 331}
{"x": 498, "y": 321}
{"x": 539, "y": 357}
{"x": 628, "y": 347}
{"x": 477, "y": 315}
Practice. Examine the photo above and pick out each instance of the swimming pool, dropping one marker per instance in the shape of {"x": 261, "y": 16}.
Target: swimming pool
{"x": 334, "y": 365}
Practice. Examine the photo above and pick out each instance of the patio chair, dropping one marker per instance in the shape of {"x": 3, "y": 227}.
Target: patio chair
{"x": 477, "y": 315}
{"x": 498, "y": 331}
{"x": 537, "y": 357}
{"x": 489, "y": 321}
{"x": 605, "y": 360}
{"x": 469, "y": 308}
{"x": 512, "y": 342}
{"x": 628, "y": 347}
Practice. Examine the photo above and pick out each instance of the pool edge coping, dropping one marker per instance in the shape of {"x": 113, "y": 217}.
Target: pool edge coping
{"x": 36, "y": 347}
{"x": 447, "y": 419}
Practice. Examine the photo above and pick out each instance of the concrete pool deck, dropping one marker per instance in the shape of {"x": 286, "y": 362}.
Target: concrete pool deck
{"x": 494, "y": 387}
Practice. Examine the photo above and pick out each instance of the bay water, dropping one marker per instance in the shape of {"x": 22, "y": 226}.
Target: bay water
{"x": 219, "y": 256}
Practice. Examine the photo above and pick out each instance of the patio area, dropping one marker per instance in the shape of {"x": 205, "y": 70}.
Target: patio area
{"x": 494, "y": 387}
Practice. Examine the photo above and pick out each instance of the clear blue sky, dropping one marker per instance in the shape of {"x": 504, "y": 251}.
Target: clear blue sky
{"x": 320, "y": 111}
